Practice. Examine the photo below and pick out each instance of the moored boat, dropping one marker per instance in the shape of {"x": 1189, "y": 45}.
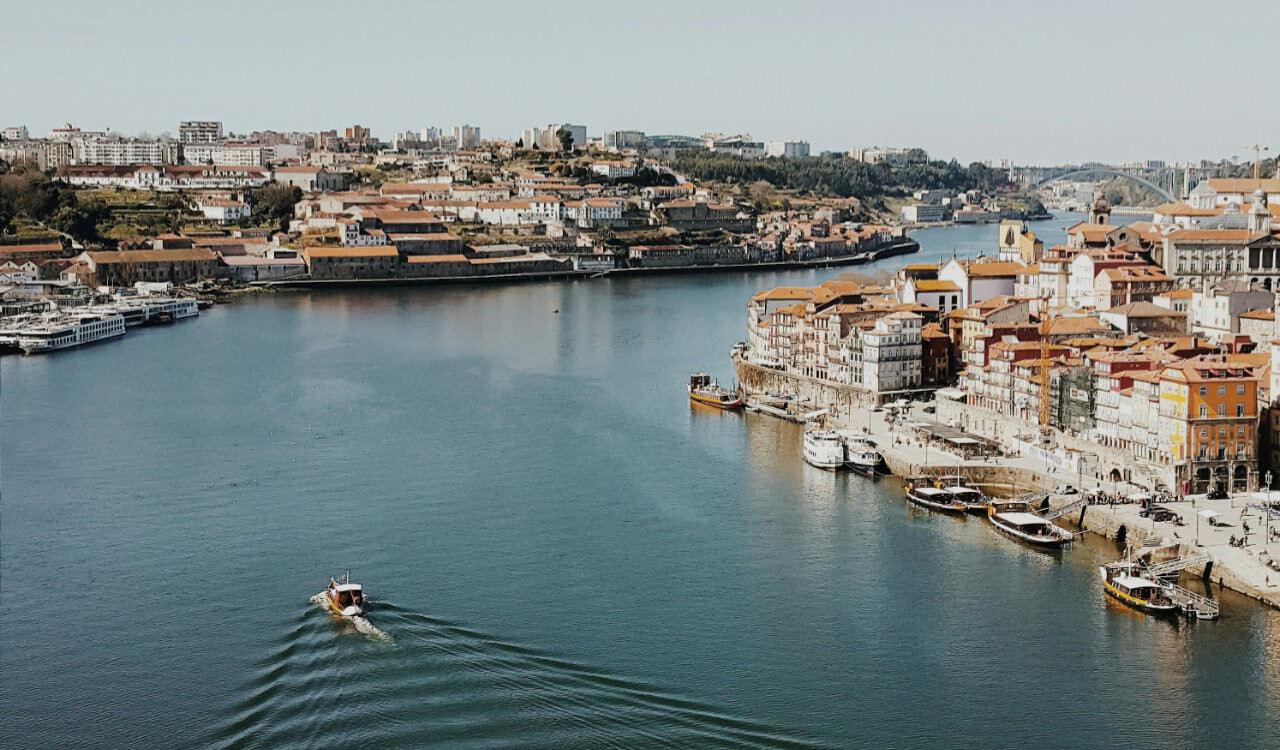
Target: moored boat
{"x": 343, "y": 597}
{"x": 703, "y": 390}
{"x": 1016, "y": 518}
{"x": 861, "y": 455}
{"x": 929, "y": 493}
{"x": 56, "y": 332}
{"x": 823, "y": 448}
{"x": 1122, "y": 581}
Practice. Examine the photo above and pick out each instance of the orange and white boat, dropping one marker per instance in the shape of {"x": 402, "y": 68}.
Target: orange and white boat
{"x": 344, "y": 598}
{"x": 704, "y": 390}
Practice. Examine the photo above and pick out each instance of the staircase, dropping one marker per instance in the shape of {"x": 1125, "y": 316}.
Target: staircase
{"x": 1064, "y": 510}
{"x": 1179, "y": 563}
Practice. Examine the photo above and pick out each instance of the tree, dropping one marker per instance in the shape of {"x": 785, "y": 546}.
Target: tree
{"x": 273, "y": 204}
{"x": 565, "y": 138}
{"x": 762, "y": 195}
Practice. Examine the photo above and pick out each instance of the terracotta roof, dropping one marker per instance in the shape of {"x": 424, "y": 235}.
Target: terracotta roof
{"x": 152, "y": 256}
{"x": 1074, "y": 325}
{"x": 436, "y": 259}
{"x": 994, "y": 268}
{"x": 1243, "y": 185}
{"x": 1259, "y": 315}
{"x": 1212, "y": 235}
{"x": 351, "y": 252}
{"x": 931, "y": 285}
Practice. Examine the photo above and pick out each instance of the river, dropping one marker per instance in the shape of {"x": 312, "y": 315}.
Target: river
{"x": 560, "y": 550}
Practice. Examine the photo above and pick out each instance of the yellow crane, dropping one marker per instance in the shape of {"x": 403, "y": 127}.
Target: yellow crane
{"x": 1257, "y": 157}
{"x": 1044, "y": 371}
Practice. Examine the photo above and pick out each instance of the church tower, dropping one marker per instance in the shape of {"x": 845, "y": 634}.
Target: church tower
{"x": 1100, "y": 211}
{"x": 1259, "y": 214}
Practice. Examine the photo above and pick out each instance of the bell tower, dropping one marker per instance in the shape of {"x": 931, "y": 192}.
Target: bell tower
{"x": 1259, "y": 214}
{"x": 1100, "y": 211}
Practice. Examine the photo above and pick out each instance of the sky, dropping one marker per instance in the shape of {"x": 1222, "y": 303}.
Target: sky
{"x": 1038, "y": 83}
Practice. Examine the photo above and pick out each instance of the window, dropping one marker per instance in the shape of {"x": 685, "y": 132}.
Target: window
{"x": 1204, "y": 390}
{"x": 1239, "y": 410}
{"x": 1204, "y": 411}
{"x": 1240, "y": 430}
{"x": 1204, "y": 432}
{"x": 1240, "y": 389}
{"x": 1222, "y": 432}
{"x": 1222, "y": 410}
{"x": 1222, "y": 390}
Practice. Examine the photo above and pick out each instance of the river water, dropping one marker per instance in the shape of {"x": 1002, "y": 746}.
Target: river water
{"x": 560, "y": 550}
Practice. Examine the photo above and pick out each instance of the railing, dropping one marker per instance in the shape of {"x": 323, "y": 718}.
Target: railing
{"x": 1179, "y": 563}
{"x": 1191, "y": 603}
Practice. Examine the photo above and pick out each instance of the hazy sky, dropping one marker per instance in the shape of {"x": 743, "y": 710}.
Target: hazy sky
{"x": 1030, "y": 81}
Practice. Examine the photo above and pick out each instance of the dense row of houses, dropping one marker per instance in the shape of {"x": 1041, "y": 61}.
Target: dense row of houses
{"x": 1103, "y": 340}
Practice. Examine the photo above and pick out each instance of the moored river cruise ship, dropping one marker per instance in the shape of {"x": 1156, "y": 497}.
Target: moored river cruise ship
{"x": 67, "y": 331}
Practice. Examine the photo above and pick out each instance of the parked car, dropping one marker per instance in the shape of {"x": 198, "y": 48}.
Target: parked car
{"x": 1160, "y": 513}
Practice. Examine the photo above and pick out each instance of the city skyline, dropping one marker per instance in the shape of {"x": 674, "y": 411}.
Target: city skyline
{"x": 853, "y": 86}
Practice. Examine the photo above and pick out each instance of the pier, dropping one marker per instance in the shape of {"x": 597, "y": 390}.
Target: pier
{"x": 1197, "y": 544}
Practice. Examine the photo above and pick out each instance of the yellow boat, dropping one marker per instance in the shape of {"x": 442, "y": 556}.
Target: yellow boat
{"x": 704, "y": 390}
{"x": 1121, "y": 581}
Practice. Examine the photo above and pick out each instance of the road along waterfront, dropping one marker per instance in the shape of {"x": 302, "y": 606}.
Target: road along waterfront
{"x": 560, "y": 550}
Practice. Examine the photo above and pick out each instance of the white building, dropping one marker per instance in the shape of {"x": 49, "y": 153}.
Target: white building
{"x": 199, "y": 131}
{"x": 614, "y": 170}
{"x": 891, "y": 353}
{"x": 225, "y": 154}
{"x": 15, "y": 133}
{"x": 118, "y": 151}
{"x": 222, "y": 210}
{"x": 981, "y": 279}
{"x": 467, "y": 136}
{"x": 620, "y": 140}
{"x": 787, "y": 149}
{"x": 547, "y": 138}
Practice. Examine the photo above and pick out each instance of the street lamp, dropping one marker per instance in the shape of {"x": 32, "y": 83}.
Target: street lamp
{"x": 1266, "y": 534}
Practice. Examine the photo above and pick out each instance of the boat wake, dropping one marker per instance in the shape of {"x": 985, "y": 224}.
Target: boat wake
{"x": 360, "y": 623}
{"x": 448, "y": 685}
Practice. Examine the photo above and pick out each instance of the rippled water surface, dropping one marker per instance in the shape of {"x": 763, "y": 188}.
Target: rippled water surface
{"x": 559, "y": 550}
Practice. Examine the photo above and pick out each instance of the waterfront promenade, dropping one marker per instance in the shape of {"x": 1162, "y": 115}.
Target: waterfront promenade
{"x": 1240, "y": 569}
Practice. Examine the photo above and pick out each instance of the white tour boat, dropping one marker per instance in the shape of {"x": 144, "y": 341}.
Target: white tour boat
{"x": 823, "y": 448}
{"x": 861, "y": 455}
{"x": 66, "y": 331}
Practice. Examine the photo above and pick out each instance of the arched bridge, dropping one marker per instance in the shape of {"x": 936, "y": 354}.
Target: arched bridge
{"x": 1081, "y": 171}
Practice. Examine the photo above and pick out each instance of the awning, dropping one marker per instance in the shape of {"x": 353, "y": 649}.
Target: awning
{"x": 1210, "y": 514}
{"x": 1139, "y": 497}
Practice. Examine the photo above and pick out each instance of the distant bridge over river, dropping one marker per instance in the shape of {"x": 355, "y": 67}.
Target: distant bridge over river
{"x": 1161, "y": 180}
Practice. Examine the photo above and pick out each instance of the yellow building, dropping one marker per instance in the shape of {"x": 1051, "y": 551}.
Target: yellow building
{"x": 1018, "y": 245}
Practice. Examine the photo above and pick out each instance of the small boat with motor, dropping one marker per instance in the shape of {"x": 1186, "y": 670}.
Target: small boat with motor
{"x": 930, "y": 493}
{"x": 704, "y": 390}
{"x": 1016, "y": 518}
{"x": 861, "y": 455}
{"x": 343, "y": 597}
{"x": 1123, "y": 582}
{"x": 823, "y": 448}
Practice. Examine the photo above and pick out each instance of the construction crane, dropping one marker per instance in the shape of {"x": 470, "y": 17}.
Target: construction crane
{"x": 1257, "y": 157}
{"x": 1045, "y": 430}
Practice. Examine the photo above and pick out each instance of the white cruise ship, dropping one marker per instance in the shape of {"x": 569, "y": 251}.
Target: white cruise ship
{"x": 823, "y": 448}
{"x": 66, "y": 331}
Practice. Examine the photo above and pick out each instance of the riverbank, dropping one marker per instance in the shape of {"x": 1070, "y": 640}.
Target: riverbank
{"x": 905, "y": 246}
{"x": 908, "y": 452}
